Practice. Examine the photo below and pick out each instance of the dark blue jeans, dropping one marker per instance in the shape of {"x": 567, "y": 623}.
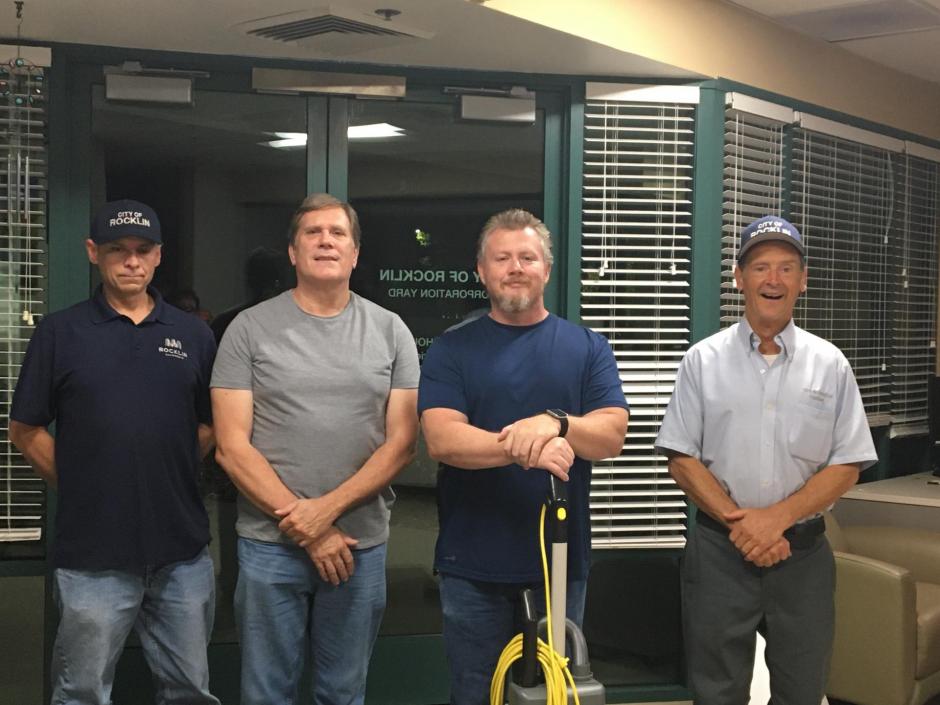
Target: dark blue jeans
{"x": 480, "y": 618}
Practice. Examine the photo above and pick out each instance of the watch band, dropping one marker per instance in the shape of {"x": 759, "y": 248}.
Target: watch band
{"x": 562, "y": 418}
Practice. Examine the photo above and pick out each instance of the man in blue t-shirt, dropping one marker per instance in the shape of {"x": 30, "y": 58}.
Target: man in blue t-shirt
{"x": 502, "y": 398}
{"x": 125, "y": 378}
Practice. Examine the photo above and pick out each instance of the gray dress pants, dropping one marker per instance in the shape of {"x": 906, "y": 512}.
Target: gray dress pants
{"x": 726, "y": 600}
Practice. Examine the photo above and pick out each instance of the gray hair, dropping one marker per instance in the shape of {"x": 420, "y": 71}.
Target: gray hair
{"x": 319, "y": 202}
{"x": 516, "y": 219}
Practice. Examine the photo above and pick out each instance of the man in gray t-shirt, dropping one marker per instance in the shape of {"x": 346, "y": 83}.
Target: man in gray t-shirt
{"x": 314, "y": 395}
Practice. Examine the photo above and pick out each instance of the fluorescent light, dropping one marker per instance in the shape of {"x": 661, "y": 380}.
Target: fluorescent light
{"x": 288, "y": 140}
{"x": 291, "y": 140}
{"x": 378, "y": 130}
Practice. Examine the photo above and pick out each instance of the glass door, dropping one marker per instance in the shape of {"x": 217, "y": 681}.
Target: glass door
{"x": 423, "y": 192}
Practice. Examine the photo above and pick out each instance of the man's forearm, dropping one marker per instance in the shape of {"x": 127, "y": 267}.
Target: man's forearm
{"x": 598, "y": 435}
{"x": 38, "y": 447}
{"x": 464, "y": 446}
{"x": 819, "y": 492}
{"x": 254, "y": 477}
{"x": 701, "y": 486}
{"x": 376, "y": 473}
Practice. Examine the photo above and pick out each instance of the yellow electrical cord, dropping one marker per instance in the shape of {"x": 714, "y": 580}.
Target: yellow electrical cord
{"x": 554, "y": 666}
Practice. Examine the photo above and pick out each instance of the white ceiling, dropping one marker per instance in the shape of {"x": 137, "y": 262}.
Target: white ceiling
{"x": 462, "y": 34}
{"x": 901, "y": 34}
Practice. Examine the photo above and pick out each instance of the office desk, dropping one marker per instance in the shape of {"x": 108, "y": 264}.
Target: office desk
{"x": 911, "y": 501}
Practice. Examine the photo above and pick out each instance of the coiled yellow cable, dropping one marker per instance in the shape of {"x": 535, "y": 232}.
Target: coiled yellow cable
{"x": 554, "y": 666}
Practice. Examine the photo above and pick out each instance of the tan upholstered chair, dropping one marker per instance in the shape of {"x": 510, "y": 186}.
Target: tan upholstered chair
{"x": 887, "y": 642}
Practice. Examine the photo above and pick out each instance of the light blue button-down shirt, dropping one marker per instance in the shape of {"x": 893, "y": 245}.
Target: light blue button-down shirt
{"x": 763, "y": 430}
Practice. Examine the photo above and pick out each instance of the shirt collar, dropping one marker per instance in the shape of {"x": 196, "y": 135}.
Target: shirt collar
{"x": 786, "y": 338}
{"x": 101, "y": 310}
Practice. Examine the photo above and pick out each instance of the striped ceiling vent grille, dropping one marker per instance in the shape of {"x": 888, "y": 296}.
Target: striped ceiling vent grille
{"x": 328, "y": 22}
{"x": 316, "y": 26}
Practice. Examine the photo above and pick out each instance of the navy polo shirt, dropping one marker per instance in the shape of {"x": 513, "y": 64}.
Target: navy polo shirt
{"x": 126, "y": 400}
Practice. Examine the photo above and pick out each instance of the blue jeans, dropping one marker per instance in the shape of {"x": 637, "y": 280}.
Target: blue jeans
{"x": 171, "y": 609}
{"x": 480, "y": 618}
{"x": 284, "y": 610}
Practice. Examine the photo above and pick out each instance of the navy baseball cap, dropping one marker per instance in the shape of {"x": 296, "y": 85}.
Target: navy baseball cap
{"x": 770, "y": 227}
{"x": 125, "y": 218}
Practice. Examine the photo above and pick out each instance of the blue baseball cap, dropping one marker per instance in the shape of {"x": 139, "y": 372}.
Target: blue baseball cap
{"x": 770, "y": 227}
{"x": 125, "y": 218}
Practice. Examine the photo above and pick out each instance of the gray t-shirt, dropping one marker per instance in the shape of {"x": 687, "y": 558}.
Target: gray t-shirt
{"x": 320, "y": 387}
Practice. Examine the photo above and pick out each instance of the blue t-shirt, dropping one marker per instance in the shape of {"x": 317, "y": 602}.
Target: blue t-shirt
{"x": 126, "y": 400}
{"x": 497, "y": 374}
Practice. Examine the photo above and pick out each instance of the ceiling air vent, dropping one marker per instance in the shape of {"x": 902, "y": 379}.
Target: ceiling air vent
{"x": 330, "y": 28}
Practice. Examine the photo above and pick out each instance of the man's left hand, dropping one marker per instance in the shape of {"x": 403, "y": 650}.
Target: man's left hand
{"x": 754, "y": 531}
{"x": 525, "y": 439}
{"x": 557, "y": 457}
{"x": 306, "y": 520}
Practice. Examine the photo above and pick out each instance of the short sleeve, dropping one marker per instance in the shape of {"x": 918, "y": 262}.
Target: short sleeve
{"x": 441, "y": 380}
{"x": 232, "y": 368}
{"x": 406, "y": 370}
{"x": 851, "y": 438}
{"x": 602, "y": 387}
{"x": 684, "y": 422}
{"x": 34, "y": 400}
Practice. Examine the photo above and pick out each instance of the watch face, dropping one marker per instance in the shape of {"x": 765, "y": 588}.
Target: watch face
{"x": 557, "y": 413}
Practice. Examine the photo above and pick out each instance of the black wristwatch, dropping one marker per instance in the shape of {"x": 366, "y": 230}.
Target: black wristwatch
{"x": 562, "y": 419}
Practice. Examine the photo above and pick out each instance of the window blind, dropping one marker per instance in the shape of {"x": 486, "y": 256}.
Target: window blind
{"x": 753, "y": 174}
{"x": 913, "y": 277}
{"x": 637, "y": 213}
{"x": 23, "y": 188}
{"x": 843, "y": 202}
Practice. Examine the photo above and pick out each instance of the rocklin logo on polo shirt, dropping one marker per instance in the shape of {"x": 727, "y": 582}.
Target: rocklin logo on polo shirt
{"x": 173, "y": 348}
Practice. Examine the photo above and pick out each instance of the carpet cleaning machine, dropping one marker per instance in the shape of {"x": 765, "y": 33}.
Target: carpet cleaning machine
{"x": 559, "y": 681}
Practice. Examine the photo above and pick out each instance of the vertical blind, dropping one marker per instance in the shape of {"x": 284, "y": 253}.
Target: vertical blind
{"x": 637, "y": 213}
{"x": 23, "y": 189}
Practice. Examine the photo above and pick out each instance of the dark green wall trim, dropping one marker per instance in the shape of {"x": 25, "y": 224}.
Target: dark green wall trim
{"x": 337, "y": 168}
{"x": 554, "y": 195}
{"x": 728, "y": 86}
{"x": 69, "y": 182}
{"x": 574, "y": 189}
{"x": 22, "y": 568}
{"x": 706, "y": 214}
{"x": 317, "y": 143}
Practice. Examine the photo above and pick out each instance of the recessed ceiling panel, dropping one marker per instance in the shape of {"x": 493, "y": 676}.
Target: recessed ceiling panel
{"x": 871, "y": 19}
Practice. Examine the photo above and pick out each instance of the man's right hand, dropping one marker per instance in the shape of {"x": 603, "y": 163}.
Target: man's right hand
{"x": 557, "y": 457}
{"x": 332, "y": 555}
{"x": 780, "y": 551}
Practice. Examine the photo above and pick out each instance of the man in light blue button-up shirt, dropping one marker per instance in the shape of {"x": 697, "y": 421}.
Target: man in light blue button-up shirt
{"x": 764, "y": 431}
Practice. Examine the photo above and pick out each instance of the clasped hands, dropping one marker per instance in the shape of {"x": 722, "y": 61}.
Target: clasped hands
{"x": 758, "y": 534}
{"x": 309, "y": 522}
{"x": 533, "y": 442}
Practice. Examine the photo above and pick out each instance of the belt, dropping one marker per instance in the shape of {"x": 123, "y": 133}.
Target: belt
{"x": 800, "y": 536}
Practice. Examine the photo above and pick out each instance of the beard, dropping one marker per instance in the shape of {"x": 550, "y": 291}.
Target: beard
{"x": 511, "y": 304}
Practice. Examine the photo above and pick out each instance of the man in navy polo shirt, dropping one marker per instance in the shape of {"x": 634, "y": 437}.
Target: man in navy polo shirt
{"x": 502, "y": 397}
{"x": 125, "y": 377}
